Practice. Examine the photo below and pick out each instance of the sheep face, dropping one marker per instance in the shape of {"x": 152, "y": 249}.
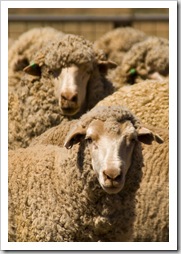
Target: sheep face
{"x": 111, "y": 153}
{"x": 70, "y": 87}
{"x": 111, "y": 147}
{"x": 111, "y": 144}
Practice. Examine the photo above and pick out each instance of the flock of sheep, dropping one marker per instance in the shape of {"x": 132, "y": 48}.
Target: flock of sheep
{"x": 88, "y": 137}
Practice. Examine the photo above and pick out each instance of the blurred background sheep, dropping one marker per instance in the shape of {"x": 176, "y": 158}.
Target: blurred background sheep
{"x": 148, "y": 59}
{"x": 117, "y": 42}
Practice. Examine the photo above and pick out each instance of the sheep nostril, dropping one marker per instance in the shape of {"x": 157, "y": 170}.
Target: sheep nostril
{"x": 74, "y": 98}
{"x": 112, "y": 174}
{"x": 69, "y": 97}
{"x": 119, "y": 177}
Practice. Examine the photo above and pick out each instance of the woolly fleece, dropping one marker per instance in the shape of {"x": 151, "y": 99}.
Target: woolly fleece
{"x": 141, "y": 61}
{"x": 52, "y": 198}
{"x": 117, "y": 42}
{"x": 21, "y": 52}
{"x": 148, "y": 100}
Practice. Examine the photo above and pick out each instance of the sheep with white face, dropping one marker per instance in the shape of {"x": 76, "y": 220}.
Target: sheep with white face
{"x": 71, "y": 86}
{"x": 54, "y": 194}
{"x": 111, "y": 147}
{"x": 109, "y": 160}
{"x": 65, "y": 78}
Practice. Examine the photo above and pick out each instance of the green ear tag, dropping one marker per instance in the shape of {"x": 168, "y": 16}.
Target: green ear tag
{"x": 33, "y": 69}
{"x": 32, "y": 64}
{"x": 132, "y": 71}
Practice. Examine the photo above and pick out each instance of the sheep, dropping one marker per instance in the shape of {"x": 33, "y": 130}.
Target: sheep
{"x": 149, "y": 100}
{"x": 66, "y": 78}
{"x": 148, "y": 59}
{"x": 94, "y": 190}
{"x": 22, "y": 50}
{"x": 117, "y": 42}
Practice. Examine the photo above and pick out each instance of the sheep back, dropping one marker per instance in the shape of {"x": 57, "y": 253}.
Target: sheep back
{"x": 148, "y": 100}
{"x": 55, "y": 135}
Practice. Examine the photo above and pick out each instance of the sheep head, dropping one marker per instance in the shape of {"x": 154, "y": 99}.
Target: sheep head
{"x": 70, "y": 62}
{"x": 111, "y": 144}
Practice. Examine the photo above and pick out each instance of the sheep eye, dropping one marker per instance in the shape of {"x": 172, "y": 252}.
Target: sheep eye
{"x": 89, "y": 72}
{"x": 130, "y": 140}
{"x": 55, "y": 73}
{"x": 88, "y": 140}
{"x": 133, "y": 139}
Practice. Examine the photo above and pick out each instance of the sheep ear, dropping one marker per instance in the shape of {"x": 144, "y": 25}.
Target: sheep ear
{"x": 74, "y": 137}
{"x": 146, "y": 136}
{"x": 34, "y": 68}
{"x": 105, "y": 65}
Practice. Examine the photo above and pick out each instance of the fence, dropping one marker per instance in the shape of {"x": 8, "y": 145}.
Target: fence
{"x": 91, "y": 26}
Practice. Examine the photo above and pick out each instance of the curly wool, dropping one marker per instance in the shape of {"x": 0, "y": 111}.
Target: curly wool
{"x": 55, "y": 135}
{"x": 148, "y": 100}
{"x": 21, "y": 53}
{"x": 52, "y": 198}
{"x": 109, "y": 113}
{"x": 61, "y": 201}
{"x": 57, "y": 55}
{"x": 31, "y": 112}
{"x": 38, "y": 105}
{"x": 144, "y": 59}
{"x": 152, "y": 209}
{"x": 117, "y": 42}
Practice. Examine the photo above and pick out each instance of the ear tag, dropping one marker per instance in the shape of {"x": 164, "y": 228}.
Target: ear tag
{"x": 33, "y": 69}
{"x": 32, "y": 64}
{"x": 132, "y": 71}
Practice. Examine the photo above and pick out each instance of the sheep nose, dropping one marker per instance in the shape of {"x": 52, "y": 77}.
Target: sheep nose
{"x": 71, "y": 97}
{"x": 112, "y": 174}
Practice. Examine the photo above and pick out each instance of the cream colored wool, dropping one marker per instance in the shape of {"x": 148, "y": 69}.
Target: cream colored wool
{"x": 117, "y": 42}
{"x": 55, "y": 135}
{"x": 23, "y": 49}
{"x": 149, "y": 100}
{"x": 152, "y": 209}
{"x": 52, "y": 198}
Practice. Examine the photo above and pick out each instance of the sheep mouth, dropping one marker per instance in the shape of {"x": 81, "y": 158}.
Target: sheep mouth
{"x": 112, "y": 189}
{"x": 69, "y": 111}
